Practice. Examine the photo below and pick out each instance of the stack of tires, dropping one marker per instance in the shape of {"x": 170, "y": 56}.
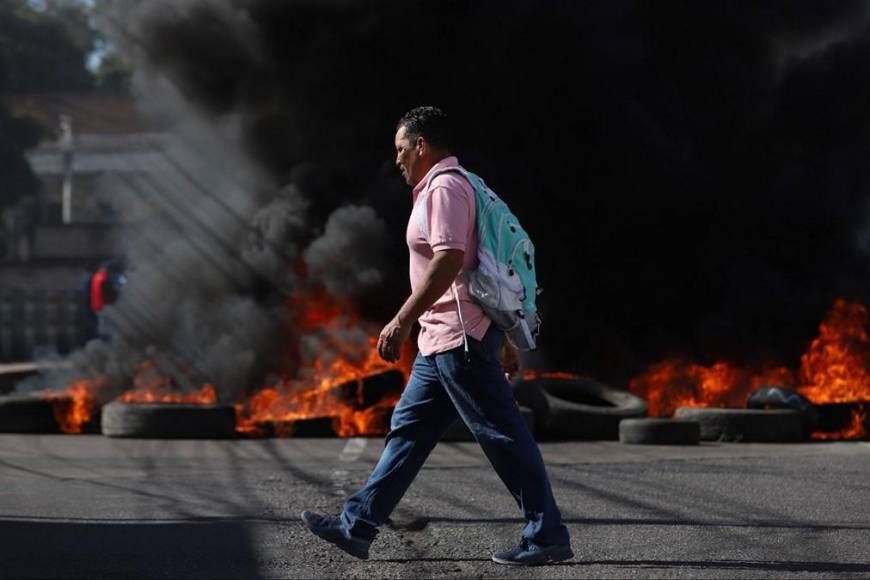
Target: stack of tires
{"x": 773, "y": 415}
{"x": 577, "y": 408}
{"x": 582, "y": 408}
{"x": 586, "y": 409}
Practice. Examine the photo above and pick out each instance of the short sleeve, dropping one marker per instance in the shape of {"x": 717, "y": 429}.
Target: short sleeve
{"x": 450, "y": 216}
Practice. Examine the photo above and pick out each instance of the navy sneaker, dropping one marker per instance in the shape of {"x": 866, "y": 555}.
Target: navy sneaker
{"x": 330, "y": 529}
{"x": 530, "y": 554}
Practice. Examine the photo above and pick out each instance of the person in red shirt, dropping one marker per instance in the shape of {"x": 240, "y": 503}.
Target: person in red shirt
{"x": 98, "y": 281}
{"x": 105, "y": 287}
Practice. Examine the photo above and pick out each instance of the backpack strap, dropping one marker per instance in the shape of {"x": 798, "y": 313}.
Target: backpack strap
{"x": 420, "y": 206}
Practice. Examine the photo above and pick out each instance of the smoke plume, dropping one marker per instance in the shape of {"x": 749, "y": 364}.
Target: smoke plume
{"x": 693, "y": 174}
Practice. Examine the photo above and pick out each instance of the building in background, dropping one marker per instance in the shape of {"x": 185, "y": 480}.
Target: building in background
{"x": 52, "y": 242}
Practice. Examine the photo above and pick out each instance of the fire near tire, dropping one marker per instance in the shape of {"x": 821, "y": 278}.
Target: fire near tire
{"x": 458, "y": 431}
{"x": 772, "y": 397}
{"x": 746, "y": 425}
{"x": 578, "y": 408}
{"x": 836, "y": 417}
{"x": 659, "y": 432}
{"x": 168, "y": 421}
{"x": 26, "y": 414}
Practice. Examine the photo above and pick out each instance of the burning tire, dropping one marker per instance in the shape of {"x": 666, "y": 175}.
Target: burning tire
{"x": 299, "y": 428}
{"x": 747, "y": 425}
{"x": 843, "y": 421}
{"x": 27, "y": 414}
{"x": 168, "y": 421}
{"x": 46, "y": 412}
{"x": 578, "y": 408}
{"x": 359, "y": 407}
{"x": 783, "y": 398}
{"x": 458, "y": 430}
{"x": 659, "y": 432}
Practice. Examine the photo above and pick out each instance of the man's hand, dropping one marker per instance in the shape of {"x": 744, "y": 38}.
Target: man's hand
{"x": 442, "y": 271}
{"x": 392, "y": 338}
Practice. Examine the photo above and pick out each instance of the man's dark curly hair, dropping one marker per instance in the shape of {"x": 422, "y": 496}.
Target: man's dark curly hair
{"x": 431, "y": 123}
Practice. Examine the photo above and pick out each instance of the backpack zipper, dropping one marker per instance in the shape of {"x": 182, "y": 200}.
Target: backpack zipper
{"x": 513, "y": 255}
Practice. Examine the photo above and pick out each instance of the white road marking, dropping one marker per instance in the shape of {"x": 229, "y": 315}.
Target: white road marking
{"x": 353, "y": 449}
{"x": 351, "y": 452}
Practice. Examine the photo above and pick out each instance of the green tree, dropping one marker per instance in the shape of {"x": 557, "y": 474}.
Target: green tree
{"x": 44, "y": 50}
{"x": 40, "y": 50}
{"x": 16, "y": 136}
{"x": 113, "y": 73}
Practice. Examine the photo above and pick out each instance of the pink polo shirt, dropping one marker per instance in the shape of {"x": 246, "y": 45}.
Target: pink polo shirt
{"x": 451, "y": 212}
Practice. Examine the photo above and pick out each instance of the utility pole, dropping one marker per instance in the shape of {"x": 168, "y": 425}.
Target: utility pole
{"x": 66, "y": 140}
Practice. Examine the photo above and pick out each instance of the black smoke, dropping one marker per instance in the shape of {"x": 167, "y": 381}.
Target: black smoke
{"x": 694, "y": 174}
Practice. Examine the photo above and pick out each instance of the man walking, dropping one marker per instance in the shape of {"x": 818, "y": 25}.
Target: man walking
{"x": 447, "y": 379}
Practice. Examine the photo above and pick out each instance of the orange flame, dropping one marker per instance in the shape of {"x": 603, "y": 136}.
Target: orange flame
{"x": 857, "y": 428}
{"x": 314, "y": 391}
{"x": 531, "y": 375}
{"x": 152, "y": 386}
{"x": 671, "y": 384}
{"x": 317, "y": 389}
{"x": 297, "y": 399}
{"x": 835, "y": 368}
{"x": 369, "y": 421}
{"x": 74, "y": 406}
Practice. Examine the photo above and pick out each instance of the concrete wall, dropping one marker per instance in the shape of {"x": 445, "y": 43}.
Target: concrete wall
{"x": 76, "y": 242}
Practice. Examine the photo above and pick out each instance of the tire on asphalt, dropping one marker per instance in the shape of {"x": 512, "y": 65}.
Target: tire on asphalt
{"x": 657, "y": 431}
{"x": 773, "y": 397}
{"x": 578, "y": 408}
{"x": 746, "y": 425}
{"x": 27, "y": 414}
{"x": 458, "y": 430}
{"x": 168, "y": 421}
{"x": 314, "y": 427}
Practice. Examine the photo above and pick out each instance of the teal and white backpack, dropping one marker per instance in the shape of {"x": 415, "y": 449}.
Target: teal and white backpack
{"x": 504, "y": 283}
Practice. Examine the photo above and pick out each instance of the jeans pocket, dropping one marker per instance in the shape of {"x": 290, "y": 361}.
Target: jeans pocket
{"x": 489, "y": 347}
{"x": 478, "y": 349}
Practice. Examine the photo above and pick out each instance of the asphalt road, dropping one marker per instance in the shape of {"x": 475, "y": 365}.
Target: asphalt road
{"x": 91, "y": 507}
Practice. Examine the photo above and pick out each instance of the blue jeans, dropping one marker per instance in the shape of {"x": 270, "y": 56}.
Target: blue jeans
{"x": 440, "y": 385}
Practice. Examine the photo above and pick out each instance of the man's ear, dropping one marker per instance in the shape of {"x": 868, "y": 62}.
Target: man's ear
{"x": 420, "y": 145}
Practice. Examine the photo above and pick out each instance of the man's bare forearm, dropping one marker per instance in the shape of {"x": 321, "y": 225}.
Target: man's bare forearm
{"x": 441, "y": 273}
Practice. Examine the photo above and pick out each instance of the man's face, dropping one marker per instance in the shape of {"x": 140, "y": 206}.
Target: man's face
{"x": 408, "y": 158}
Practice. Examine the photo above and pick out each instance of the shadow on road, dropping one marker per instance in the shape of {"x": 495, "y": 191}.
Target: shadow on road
{"x": 71, "y": 549}
{"x": 766, "y": 565}
{"x": 759, "y": 565}
{"x": 419, "y": 523}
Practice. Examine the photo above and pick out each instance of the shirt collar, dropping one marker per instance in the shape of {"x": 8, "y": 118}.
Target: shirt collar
{"x": 450, "y": 161}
